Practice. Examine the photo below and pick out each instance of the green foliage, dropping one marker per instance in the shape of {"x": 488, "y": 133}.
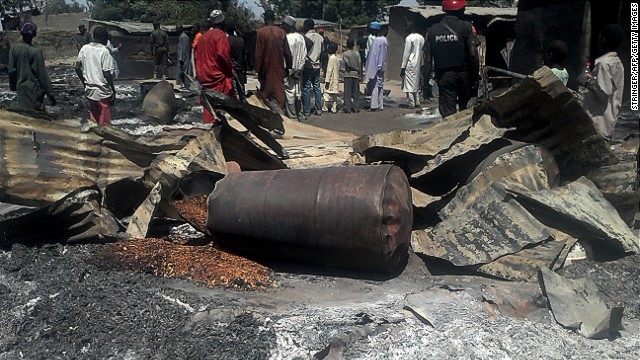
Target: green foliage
{"x": 171, "y": 11}
{"x": 20, "y": 5}
{"x": 62, "y": 7}
{"x": 350, "y": 12}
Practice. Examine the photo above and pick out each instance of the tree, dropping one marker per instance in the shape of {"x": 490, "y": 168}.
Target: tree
{"x": 62, "y": 7}
{"x": 350, "y": 12}
{"x": 171, "y": 11}
{"x": 18, "y": 6}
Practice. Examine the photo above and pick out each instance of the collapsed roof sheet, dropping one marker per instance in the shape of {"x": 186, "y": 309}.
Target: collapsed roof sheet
{"x": 43, "y": 161}
{"x": 482, "y": 223}
{"x": 134, "y": 28}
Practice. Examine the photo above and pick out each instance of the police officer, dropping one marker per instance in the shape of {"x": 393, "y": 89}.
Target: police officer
{"x": 452, "y": 45}
{"x": 160, "y": 50}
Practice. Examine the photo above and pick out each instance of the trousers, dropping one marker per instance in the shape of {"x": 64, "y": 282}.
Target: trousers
{"x": 453, "y": 87}
{"x": 377, "y": 92}
{"x": 311, "y": 79}
{"x": 160, "y": 68}
{"x": 100, "y": 112}
{"x": 351, "y": 94}
{"x": 292, "y": 91}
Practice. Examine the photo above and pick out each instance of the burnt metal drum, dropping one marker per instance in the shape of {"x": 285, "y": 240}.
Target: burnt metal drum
{"x": 351, "y": 217}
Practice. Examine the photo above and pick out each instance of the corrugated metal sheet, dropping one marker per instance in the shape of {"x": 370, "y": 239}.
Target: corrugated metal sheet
{"x": 319, "y": 155}
{"x": 480, "y": 133}
{"x": 430, "y": 141}
{"x": 133, "y": 28}
{"x": 482, "y": 223}
{"x": 525, "y": 264}
{"x": 42, "y": 161}
{"x": 77, "y": 217}
{"x": 319, "y": 23}
{"x": 541, "y": 110}
{"x": 579, "y": 209}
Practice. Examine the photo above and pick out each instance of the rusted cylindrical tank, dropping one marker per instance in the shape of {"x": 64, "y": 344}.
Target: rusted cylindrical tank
{"x": 352, "y": 217}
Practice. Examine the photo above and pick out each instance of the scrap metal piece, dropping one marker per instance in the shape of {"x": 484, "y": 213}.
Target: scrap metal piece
{"x": 524, "y": 264}
{"x": 480, "y": 133}
{"x": 429, "y": 141}
{"x": 74, "y": 218}
{"x": 43, "y": 161}
{"x": 161, "y": 103}
{"x": 240, "y": 148}
{"x": 579, "y": 209}
{"x": 320, "y": 155}
{"x": 257, "y": 120}
{"x": 352, "y": 217}
{"x": 543, "y": 111}
{"x": 410, "y": 149}
{"x": 482, "y": 223}
{"x": 617, "y": 184}
{"x": 201, "y": 153}
{"x": 578, "y": 305}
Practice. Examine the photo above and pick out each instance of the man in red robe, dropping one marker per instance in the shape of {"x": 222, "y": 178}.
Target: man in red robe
{"x": 273, "y": 57}
{"x": 214, "y": 68}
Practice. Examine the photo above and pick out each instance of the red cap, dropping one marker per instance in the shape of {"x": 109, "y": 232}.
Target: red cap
{"x": 453, "y": 5}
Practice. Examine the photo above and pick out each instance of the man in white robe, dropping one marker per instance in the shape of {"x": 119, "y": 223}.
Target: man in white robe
{"x": 293, "y": 81}
{"x": 604, "y": 98}
{"x": 412, "y": 65}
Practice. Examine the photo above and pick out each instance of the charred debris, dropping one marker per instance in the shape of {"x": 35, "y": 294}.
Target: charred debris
{"x": 507, "y": 189}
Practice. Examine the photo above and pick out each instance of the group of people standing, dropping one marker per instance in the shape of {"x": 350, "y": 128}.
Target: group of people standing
{"x": 291, "y": 65}
{"x": 309, "y": 57}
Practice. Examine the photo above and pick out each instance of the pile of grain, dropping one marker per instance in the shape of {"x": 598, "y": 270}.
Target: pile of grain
{"x": 194, "y": 210}
{"x": 205, "y": 264}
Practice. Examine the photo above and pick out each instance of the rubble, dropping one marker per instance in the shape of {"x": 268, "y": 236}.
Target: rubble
{"x": 579, "y": 209}
{"x": 160, "y": 103}
{"x": 201, "y": 153}
{"x": 577, "y": 305}
{"x": 43, "y": 161}
{"x": 77, "y": 217}
{"x": 494, "y": 192}
{"x": 257, "y": 120}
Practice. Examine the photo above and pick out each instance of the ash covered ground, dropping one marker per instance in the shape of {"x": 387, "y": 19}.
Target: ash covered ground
{"x": 59, "y": 303}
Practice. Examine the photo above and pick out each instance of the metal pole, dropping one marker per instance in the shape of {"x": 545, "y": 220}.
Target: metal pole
{"x": 506, "y": 72}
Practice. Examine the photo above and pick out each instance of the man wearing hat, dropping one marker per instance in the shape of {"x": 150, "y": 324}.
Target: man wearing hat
{"x": 27, "y": 74}
{"x": 214, "y": 69}
{"x": 83, "y": 38}
{"x": 293, "y": 82}
{"x": 160, "y": 50}
{"x": 376, "y": 67}
{"x": 374, "y": 28}
{"x": 273, "y": 58}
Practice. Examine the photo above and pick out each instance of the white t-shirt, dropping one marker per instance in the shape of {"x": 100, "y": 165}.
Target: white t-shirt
{"x": 96, "y": 59}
